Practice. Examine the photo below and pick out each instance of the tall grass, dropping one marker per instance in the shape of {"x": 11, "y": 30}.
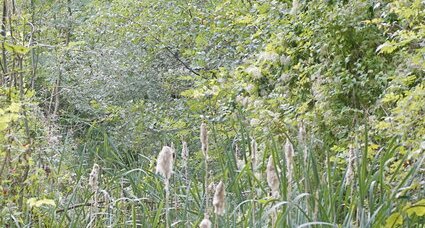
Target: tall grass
{"x": 320, "y": 194}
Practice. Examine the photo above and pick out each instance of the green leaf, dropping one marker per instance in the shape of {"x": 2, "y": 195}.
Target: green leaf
{"x": 6, "y": 119}
{"x": 386, "y": 48}
{"x": 247, "y": 19}
{"x": 33, "y": 202}
{"x": 3, "y": 126}
{"x": 14, "y": 107}
{"x": 16, "y": 48}
{"x": 418, "y": 209}
{"x": 394, "y": 220}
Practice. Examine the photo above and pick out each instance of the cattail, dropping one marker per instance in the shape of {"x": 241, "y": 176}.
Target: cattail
{"x": 185, "y": 151}
{"x": 273, "y": 182}
{"x": 289, "y": 156}
{"x": 239, "y": 162}
{"x": 206, "y": 223}
{"x": 211, "y": 187}
{"x": 204, "y": 139}
{"x": 94, "y": 185}
{"x": 107, "y": 199}
{"x": 302, "y": 139}
{"x": 350, "y": 167}
{"x": 185, "y": 158}
{"x": 164, "y": 165}
{"x": 204, "y": 142}
{"x": 218, "y": 200}
{"x": 94, "y": 178}
{"x": 316, "y": 206}
{"x": 254, "y": 159}
{"x": 295, "y": 7}
{"x": 272, "y": 179}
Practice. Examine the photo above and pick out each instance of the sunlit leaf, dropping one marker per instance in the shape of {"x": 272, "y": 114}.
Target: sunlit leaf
{"x": 33, "y": 202}
{"x": 16, "y": 48}
{"x": 394, "y": 220}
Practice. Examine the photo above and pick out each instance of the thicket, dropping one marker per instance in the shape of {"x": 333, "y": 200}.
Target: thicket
{"x": 212, "y": 113}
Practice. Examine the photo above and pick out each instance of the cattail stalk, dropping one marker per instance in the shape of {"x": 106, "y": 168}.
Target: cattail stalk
{"x": 94, "y": 186}
{"x": 254, "y": 165}
{"x": 302, "y": 139}
{"x": 289, "y": 156}
{"x": 185, "y": 158}
{"x": 204, "y": 144}
{"x": 253, "y": 155}
{"x": 107, "y": 201}
{"x": 273, "y": 182}
{"x": 164, "y": 167}
{"x": 167, "y": 206}
{"x": 316, "y": 206}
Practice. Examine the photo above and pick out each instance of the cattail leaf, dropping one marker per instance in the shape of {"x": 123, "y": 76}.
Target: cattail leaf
{"x": 394, "y": 220}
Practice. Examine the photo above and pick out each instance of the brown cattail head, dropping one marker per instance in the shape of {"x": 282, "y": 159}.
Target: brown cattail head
{"x": 185, "y": 151}
{"x": 204, "y": 139}
{"x": 94, "y": 178}
{"x": 239, "y": 162}
{"x": 211, "y": 187}
{"x": 218, "y": 200}
{"x": 106, "y": 197}
{"x": 164, "y": 164}
{"x": 302, "y": 140}
{"x": 350, "y": 167}
{"x": 272, "y": 179}
{"x": 206, "y": 223}
{"x": 289, "y": 156}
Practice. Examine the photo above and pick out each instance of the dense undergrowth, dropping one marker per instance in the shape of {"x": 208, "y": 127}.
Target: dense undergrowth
{"x": 311, "y": 113}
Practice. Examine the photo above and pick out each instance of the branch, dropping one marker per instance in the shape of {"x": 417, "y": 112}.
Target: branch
{"x": 88, "y": 204}
{"x": 175, "y": 55}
